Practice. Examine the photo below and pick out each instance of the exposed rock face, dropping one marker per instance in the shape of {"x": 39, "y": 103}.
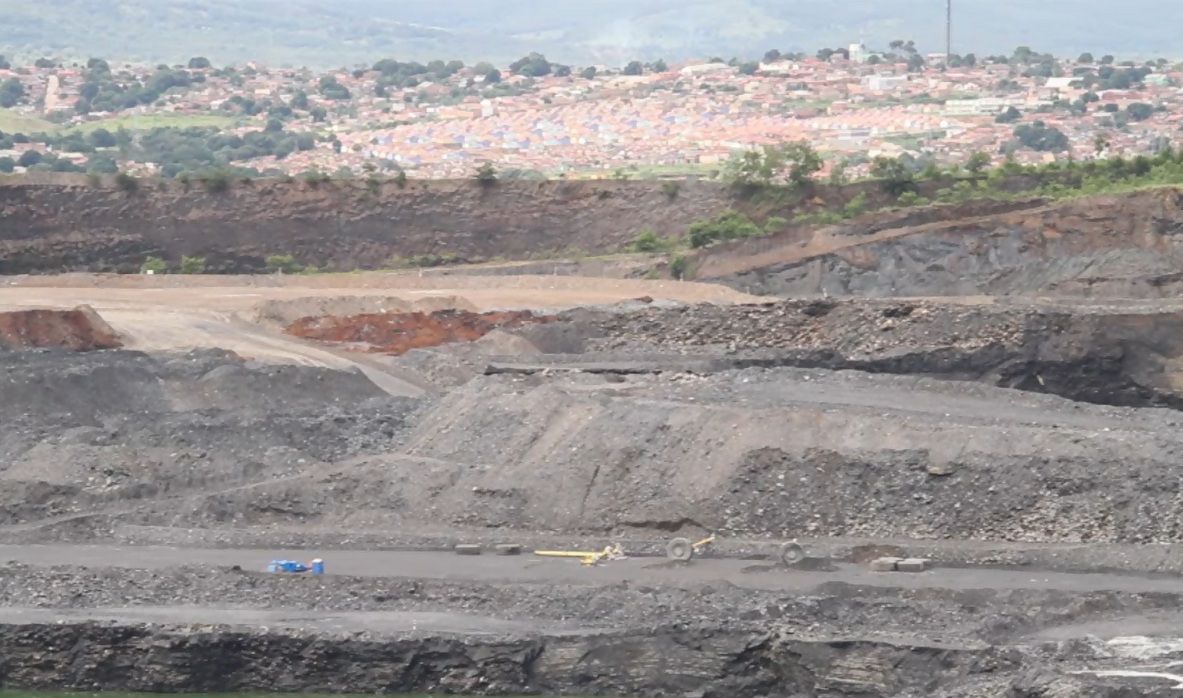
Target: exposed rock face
{"x": 89, "y": 656}
{"x": 1123, "y": 354}
{"x": 1128, "y": 245}
{"x": 74, "y": 226}
{"x": 64, "y": 223}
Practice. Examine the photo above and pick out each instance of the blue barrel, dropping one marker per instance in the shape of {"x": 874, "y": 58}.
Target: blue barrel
{"x": 318, "y": 566}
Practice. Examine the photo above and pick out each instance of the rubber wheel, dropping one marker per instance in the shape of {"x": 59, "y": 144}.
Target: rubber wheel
{"x": 791, "y": 553}
{"x": 680, "y": 549}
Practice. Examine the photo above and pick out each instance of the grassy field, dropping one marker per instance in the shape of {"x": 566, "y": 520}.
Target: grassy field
{"x": 648, "y": 171}
{"x": 16, "y": 122}
{"x": 144, "y": 122}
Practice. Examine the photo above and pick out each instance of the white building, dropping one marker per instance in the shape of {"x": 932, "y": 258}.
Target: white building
{"x": 979, "y": 107}
{"x": 883, "y": 83}
{"x": 858, "y": 53}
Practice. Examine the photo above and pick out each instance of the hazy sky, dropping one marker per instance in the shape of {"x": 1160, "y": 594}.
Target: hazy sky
{"x": 319, "y": 32}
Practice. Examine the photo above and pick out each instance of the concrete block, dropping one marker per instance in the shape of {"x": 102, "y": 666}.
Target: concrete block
{"x": 912, "y": 564}
{"x": 467, "y": 549}
{"x": 884, "y": 564}
{"x": 508, "y": 549}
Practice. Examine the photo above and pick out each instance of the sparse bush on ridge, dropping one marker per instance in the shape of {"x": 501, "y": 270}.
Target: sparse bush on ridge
{"x": 192, "y": 265}
{"x": 282, "y": 264}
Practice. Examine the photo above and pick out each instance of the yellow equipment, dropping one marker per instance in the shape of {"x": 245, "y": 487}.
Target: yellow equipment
{"x": 683, "y": 550}
{"x": 612, "y": 552}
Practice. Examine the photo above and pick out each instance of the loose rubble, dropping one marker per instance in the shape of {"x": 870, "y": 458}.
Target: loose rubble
{"x": 887, "y": 422}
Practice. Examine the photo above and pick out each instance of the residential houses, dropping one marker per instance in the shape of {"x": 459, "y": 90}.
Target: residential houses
{"x": 691, "y": 115}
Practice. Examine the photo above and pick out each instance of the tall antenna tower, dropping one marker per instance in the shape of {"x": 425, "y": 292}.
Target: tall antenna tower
{"x": 948, "y": 31}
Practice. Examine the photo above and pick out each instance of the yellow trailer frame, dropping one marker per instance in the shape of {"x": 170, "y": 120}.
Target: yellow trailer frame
{"x": 612, "y": 552}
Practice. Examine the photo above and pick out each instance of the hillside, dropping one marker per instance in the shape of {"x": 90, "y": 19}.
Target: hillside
{"x": 1118, "y": 245}
{"x": 321, "y": 34}
{"x": 1106, "y": 246}
{"x": 340, "y": 225}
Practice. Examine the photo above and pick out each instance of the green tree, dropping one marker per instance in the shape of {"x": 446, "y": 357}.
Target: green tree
{"x": 1100, "y": 143}
{"x": 318, "y": 113}
{"x": 749, "y": 68}
{"x": 633, "y": 68}
{"x": 192, "y": 265}
{"x": 895, "y": 175}
{"x": 796, "y": 161}
{"x": 7, "y": 164}
{"x": 282, "y": 264}
{"x": 679, "y": 265}
{"x": 300, "y": 100}
{"x": 486, "y": 174}
{"x": 329, "y": 88}
{"x": 649, "y": 241}
{"x": 588, "y": 73}
{"x": 729, "y": 225}
{"x": 1086, "y": 58}
{"x": 29, "y": 158}
{"x": 856, "y": 206}
{"x": 1040, "y": 137}
{"x": 659, "y": 66}
{"x": 1139, "y": 111}
{"x": 754, "y": 167}
{"x": 4, "y": 63}
{"x": 534, "y": 65}
{"x": 838, "y": 176}
{"x": 977, "y": 162}
{"x": 1008, "y": 116}
{"x": 102, "y": 164}
{"x": 198, "y": 63}
{"x": 12, "y": 91}
{"x": 102, "y": 138}
{"x": 493, "y": 77}
{"x": 802, "y": 160}
{"x": 153, "y": 265}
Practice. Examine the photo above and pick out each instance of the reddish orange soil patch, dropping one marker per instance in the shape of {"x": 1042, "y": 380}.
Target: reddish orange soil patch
{"x": 80, "y": 329}
{"x": 398, "y": 333}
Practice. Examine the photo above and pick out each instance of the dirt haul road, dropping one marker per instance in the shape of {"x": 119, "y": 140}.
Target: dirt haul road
{"x": 165, "y": 313}
{"x": 424, "y": 621}
{"x": 528, "y": 568}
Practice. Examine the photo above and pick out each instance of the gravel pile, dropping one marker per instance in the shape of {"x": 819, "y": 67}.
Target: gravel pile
{"x": 850, "y": 328}
{"x": 119, "y": 429}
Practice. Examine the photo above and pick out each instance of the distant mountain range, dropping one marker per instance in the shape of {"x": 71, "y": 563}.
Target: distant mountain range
{"x": 334, "y": 33}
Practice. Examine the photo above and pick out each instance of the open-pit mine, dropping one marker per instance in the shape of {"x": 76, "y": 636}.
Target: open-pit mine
{"x": 925, "y": 455}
